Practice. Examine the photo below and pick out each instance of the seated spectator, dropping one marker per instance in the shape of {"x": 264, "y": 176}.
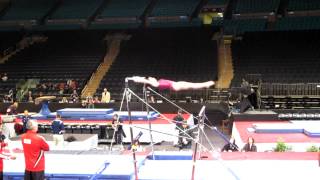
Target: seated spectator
{"x": 40, "y": 94}
{"x": 64, "y": 100}
{"x": 12, "y": 109}
{"x": 96, "y": 100}
{"x": 74, "y": 96}
{"x": 90, "y": 102}
{"x": 73, "y": 85}
{"x": 61, "y": 88}
{"x": 250, "y": 146}
{"x": 4, "y": 77}
{"x": 44, "y": 88}
{"x": 230, "y": 146}
{"x": 69, "y": 82}
{"x": 185, "y": 135}
{"x": 11, "y": 95}
{"x": 67, "y": 89}
{"x": 29, "y": 97}
{"x": 6, "y": 99}
{"x": 50, "y": 86}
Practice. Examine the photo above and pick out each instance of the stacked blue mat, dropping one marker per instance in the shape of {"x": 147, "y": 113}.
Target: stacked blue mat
{"x": 95, "y": 114}
{"x": 289, "y": 128}
{"x": 312, "y": 132}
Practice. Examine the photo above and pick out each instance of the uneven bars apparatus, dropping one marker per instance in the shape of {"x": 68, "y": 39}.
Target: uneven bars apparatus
{"x": 194, "y": 156}
{"x": 201, "y": 119}
{"x": 131, "y": 131}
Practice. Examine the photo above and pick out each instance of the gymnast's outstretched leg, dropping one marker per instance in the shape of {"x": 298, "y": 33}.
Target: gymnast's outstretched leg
{"x": 183, "y": 85}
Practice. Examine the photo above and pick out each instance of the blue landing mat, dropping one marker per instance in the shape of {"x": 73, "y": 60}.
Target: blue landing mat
{"x": 135, "y": 115}
{"x": 83, "y": 112}
{"x": 170, "y": 155}
{"x": 79, "y": 167}
{"x": 103, "y": 114}
{"x": 312, "y": 132}
{"x": 278, "y": 128}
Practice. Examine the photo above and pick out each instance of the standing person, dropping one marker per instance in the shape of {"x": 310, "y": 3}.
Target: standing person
{"x": 3, "y": 144}
{"x": 250, "y": 146}
{"x": 25, "y": 119}
{"x": 117, "y": 126}
{"x": 33, "y": 149}
{"x": 58, "y": 131}
{"x": 105, "y": 97}
{"x": 178, "y": 119}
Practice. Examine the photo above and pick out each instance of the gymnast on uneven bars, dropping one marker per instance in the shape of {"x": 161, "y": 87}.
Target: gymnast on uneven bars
{"x": 168, "y": 84}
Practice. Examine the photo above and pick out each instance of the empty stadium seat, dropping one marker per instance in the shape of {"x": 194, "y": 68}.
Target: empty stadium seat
{"x": 163, "y": 54}
{"x": 64, "y": 56}
{"x": 287, "y": 60}
{"x": 305, "y": 5}
{"x": 256, "y": 6}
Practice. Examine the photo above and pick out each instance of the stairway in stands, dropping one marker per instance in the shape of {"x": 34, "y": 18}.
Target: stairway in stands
{"x": 225, "y": 66}
{"x": 114, "y": 42}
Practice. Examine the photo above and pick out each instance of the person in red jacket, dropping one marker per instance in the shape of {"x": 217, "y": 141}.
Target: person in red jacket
{"x": 33, "y": 149}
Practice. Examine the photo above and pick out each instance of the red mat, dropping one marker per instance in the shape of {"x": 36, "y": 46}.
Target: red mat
{"x": 263, "y": 156}
{"x": 241, "y": 127}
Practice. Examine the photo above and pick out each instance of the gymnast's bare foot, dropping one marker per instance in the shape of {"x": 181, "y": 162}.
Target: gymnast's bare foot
{"x": 210, "y": 83}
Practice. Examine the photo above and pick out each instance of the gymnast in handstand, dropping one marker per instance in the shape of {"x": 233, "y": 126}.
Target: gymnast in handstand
{"x": 168, "y": 84}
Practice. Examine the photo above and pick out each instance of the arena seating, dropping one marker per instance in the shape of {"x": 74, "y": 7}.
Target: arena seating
{"x": 239, "y": 26}
{"x": 217, "y": 2}
{"x": 124, "y": 8}
{"x": 76, "y": 9}
{"x": 306, "y": 5}
{"x": 174, "y": 8}
{"x": 27, "y": 10}
{"x": 120, "y": 14}
{"x": 287, "y": 63}
{"x": 177, "y": 13}
{"x": 68, "y": 55}
{"x": 3, "y": 5}
{"x": 297, "y": 23}
{"x": 73, "y": 14}
{"x": 164, "y": 54}
{"x": 9, "y": 40}
{"x": 278, "y": 57}
{"x": 256, "y": 6}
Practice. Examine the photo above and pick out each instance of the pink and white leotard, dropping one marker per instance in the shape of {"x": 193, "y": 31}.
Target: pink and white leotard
{"x": 165, "y": 84}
